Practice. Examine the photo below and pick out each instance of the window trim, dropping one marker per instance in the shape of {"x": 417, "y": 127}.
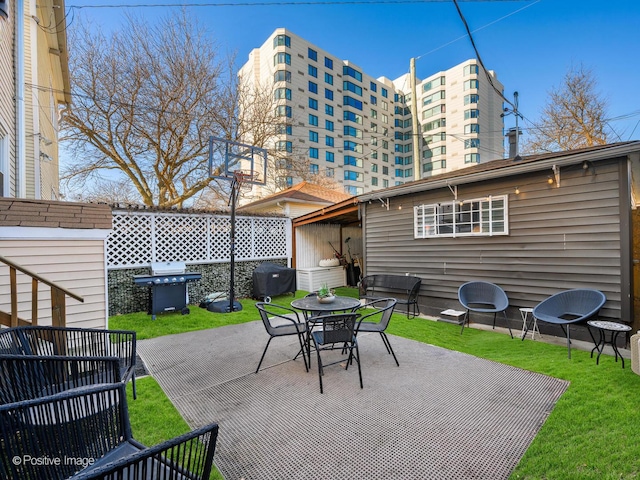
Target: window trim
{"x": 451, "y": 219}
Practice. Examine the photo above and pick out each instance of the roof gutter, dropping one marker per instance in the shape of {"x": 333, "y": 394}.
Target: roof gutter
{"x": 515, "y": 169}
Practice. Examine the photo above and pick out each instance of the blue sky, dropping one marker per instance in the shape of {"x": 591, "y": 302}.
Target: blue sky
{"x": 530, "y": 44}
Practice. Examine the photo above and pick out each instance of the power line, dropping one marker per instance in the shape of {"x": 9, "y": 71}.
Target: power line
{"x": 274, "y": 3}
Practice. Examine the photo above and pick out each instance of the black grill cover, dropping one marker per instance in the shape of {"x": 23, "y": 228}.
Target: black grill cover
{"x": 270, "y": 280}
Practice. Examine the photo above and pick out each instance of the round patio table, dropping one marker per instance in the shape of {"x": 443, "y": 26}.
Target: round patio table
{"x": 311, "y": 308}
{"x": 604, "y": 327}
{"x": 311, "y": 304}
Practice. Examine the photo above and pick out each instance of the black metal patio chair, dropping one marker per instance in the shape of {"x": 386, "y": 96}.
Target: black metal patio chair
{"x": 378, "y": 321}
{"x": 483, "y": 297}
{"x": 24, "y": 377}
{"x": 86, "y": 434}
{"x": 75, "y": 342}
{"x": 338, "y": 332}
{"x": 280, "y": 321}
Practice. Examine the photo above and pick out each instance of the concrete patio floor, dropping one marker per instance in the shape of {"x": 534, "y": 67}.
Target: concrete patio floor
{"x": 440, "y": 415}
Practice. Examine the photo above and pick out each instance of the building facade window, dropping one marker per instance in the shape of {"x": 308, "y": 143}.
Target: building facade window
{"x": 352, "y": 132}
{"x": 472, "y": 128}
{"x": 313, "y": 103}
{"x": 282, "y": 94}
{"x": 328, "y": 63}
{"x": 352, "y": 102}
{"x": 352, "y": 146}
{"x": 434, "y": 166}
{"x": 436, "y": 82}
{"x": 313, "y": 168}
{"x": 374, "y": 181}
{"x": 470, "y": 70}
{"x": 330, "y": 172}
{"x": 313, "y": 152}
{"x": 328, "y": 125}
{"x": 282, "y": 58}
{"x": 431, "y": 152}
{"x": 472, "y": 113}
{"x": 282, "y": 76}
{"x": 329, "y": 141}
{"x": 313, "y": 120}
{"x": 313, "y": 71}
{"x": 329, "y": 156}
{"x": 433, "y": 125}
{"x": 477, "y": 217}
{"x": 313, "y": 87}
{"x": 349, "y": 116}
{"x": 328, "y": 94}
{"x": 348, "y": 71}
{"x": 472, "y": 143}
{"x": 384, "y": 92}
{"x": 312, "y": 54}
{"x": 313, "y": 136}
{"x": 328, "y": 110}
{"x": 281, "y": 41}
{"x": 353, "y": 161}
{"x": 352, "y": 87}
{"x": 471, "y": 98}
{"x": 284, "y": 146}
{"x": 373, "y": 87}
{"x": 373, "y": 100}
{"x": 430, "y": 112}
{"x": 434, "y": 97}
{"x": 471, "y": 84}
{"x": 353, "y": 176}
{"x": 328, "y": 78}
{"x": 374, "y": 168}
{"x": 283, "y": 111}
{"x": 471, "y": 158}
{"x": 284, "y": 129}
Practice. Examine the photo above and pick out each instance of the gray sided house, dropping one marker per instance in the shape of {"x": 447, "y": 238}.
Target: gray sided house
{"x": 535, "y": 226}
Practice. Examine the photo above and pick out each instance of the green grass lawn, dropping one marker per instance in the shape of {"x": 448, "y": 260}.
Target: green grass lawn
{"x": 592, "y": 432}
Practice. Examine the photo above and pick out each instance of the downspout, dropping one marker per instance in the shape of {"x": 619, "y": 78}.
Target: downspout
{"x": 21, "y": 169}
{"x": 417, "y": 154}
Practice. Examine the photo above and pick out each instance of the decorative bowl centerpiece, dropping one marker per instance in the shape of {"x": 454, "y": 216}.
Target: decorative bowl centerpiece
{"x": 325, "y": 294}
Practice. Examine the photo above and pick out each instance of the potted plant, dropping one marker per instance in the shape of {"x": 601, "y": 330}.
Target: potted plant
{"x": 325, "y": 294}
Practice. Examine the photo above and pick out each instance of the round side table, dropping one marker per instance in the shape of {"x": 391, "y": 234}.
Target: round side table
{"x": 603, "y": 327}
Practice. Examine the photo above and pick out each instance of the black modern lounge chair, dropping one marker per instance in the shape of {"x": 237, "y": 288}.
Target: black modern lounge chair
{"x": 570, "y": 306}
{"x": 483, "y": 297}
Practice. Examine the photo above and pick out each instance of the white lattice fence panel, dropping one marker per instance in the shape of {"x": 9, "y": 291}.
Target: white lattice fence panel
{"x": 270, "y": 237}
{"x": 130, "y": 241}
{"x": 220, "y": 238}
{"x": 180, "y": 236}
{"x": 244, "y": 237}
{"x": 138, "y": 239}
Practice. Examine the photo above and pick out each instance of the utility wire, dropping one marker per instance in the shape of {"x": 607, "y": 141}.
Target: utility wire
{"x": 274, "y": 3}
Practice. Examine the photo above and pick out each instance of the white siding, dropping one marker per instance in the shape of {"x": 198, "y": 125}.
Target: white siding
{"x": 77, "y": 265}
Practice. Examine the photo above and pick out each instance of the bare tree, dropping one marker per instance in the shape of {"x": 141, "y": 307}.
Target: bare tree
{"x": 574, "y": 117}
{"x": 145, "y": 102}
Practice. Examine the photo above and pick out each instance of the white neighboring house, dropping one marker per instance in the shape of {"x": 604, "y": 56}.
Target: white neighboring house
{"x": 34, "y": 84}
{"x": 63, "y": 242}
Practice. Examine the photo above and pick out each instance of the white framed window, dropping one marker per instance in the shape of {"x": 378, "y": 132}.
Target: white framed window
{"x": 478, "y": 217}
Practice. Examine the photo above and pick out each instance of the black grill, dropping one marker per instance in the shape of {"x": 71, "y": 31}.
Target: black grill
{"x": 168, "y": 284}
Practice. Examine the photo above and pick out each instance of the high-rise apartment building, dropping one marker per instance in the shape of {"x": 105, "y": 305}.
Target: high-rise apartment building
{"x": 368, "y": 133}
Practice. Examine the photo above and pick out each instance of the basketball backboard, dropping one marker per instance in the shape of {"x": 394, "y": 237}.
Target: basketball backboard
{"x": 227, "y": 157}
